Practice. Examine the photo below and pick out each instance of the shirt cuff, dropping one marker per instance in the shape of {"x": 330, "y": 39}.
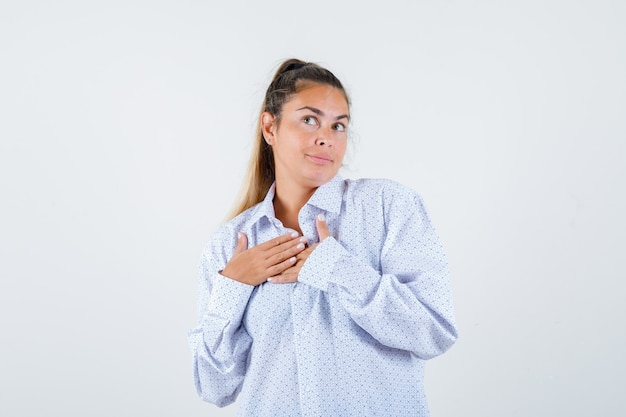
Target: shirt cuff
{"x": 318, "y": 267}
{"x": 331, "y": 264}
{"x": 228, "y": 298}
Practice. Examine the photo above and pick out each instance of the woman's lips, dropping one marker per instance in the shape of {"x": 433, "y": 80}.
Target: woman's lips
{"x": 321, "y": 159}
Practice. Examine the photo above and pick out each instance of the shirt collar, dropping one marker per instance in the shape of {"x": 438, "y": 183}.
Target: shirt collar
{"x": 327, "y": 197}
{"x": 266, "y": 207}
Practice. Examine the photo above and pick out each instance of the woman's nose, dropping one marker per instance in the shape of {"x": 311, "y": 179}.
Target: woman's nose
{"x": 324, "y": 137}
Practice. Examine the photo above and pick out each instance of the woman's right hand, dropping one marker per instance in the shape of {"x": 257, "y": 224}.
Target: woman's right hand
{"x": 255, "y": 265}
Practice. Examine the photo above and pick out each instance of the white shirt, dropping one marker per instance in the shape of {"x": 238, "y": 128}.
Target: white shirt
{"x": 350, "y": 338}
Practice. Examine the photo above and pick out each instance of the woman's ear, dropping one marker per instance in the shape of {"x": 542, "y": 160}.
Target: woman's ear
{"x": 268, "y": 127}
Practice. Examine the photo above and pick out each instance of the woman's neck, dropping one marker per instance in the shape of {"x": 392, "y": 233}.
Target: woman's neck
{"x": 287, "y": 203}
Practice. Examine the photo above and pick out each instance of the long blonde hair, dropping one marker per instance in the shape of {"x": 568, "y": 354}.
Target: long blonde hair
{"x": 287, "y": 81}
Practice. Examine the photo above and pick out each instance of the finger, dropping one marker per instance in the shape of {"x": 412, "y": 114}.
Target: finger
{"x": 304, "y": 255}
{"x": 284, "y": 278}
{"x": 280, "y": 267}
{"x": 272, "y": 243}
{"x": 242, "y": 243}
{"x": 286, "y": 250}
{"x": 322, "y": 227}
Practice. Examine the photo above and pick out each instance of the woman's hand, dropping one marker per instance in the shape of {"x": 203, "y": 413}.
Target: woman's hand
{"x": 291, "y": 274}
{"x": 255, "y": 265}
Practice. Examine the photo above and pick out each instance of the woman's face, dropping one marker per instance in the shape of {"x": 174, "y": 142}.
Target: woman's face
{"x": 310, "y": 140}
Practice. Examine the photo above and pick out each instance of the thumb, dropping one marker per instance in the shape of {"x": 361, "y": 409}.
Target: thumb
{"x": 242, "y": 243}
{"x": 322, "y": 227}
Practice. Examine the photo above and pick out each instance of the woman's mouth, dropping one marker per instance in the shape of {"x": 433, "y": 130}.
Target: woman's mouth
{"x": 320, "y": 159}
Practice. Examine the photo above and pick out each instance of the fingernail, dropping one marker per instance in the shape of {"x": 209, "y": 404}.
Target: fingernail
{"x": 292, "y": 259}
{"x": 303, "y": 239}
{"x": 269, "y": 279}
{"x": 295, "y": 234}
{"x": 238, "y": 235}
{"x": 321, "y": 217}
{"x": 300, "y": 246}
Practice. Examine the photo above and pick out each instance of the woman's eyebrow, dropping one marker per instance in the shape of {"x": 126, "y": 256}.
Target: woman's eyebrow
{"x": 321, "y": 113}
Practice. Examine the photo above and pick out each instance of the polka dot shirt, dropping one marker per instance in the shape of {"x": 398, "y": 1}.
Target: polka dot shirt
{"x": 350, "y": 338}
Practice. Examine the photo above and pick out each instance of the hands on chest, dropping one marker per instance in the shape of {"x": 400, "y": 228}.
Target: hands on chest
{"x": 278, "y": 260}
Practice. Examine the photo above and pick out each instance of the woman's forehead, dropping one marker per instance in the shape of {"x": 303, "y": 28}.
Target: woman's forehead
{"x": 319, "y": 95}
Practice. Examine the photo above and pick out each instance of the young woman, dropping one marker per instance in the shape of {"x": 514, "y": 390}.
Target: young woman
{"x": 322, "y": 296}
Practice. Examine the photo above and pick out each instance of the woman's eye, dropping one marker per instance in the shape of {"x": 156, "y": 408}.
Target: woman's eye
{"x": 309, "y": 120}
{"x": 339, "y": 127}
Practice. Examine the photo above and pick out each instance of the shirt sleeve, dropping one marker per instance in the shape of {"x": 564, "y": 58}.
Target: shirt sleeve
{"x": 407, "y": 303}
{"x": 219, "y": 344}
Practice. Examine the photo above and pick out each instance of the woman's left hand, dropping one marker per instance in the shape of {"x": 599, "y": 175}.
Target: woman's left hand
{"x": 291, "y": 274}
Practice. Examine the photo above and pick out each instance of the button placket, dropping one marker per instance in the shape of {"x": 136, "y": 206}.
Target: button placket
{"x": 300, "y": 303}
{"x": 306, "y": 219}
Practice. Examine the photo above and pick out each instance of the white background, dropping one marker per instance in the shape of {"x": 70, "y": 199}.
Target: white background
{"x": 126, "y": 127}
